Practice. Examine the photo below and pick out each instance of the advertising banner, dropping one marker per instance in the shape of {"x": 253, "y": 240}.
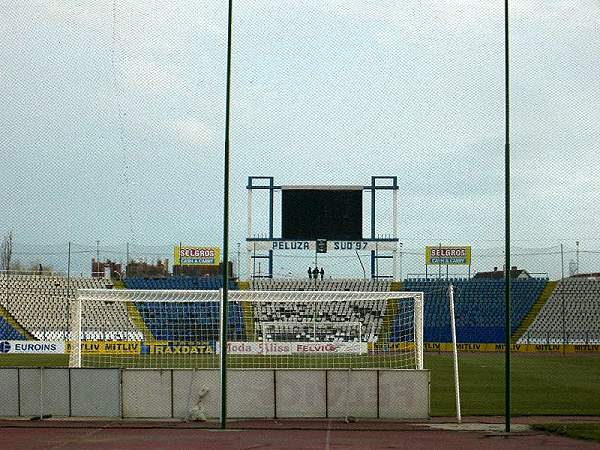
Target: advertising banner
{"x": 520, "y": 348}
{"x": 448, "y": 255}
{"x": 32, "y": 347}
{"x": 185, "y": 348}
{"x": 294, "y": 348}
{"x": 197, "y": 256}
{"x": 108, "y": 347}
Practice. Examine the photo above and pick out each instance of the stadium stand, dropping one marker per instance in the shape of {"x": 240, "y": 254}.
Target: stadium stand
{"x": 370, "y": 314}
{"x": 571, "y": 315}
{"x": 197, "y": 322}
{"x": 37, "y": 307}
{"x": 534, "y": 311}
{"x": 479, "y": 307}
{"x": 184, "y": 283}
{"x": 40, "y": 304}
{"x": 7, "y": 331}
{"x": 331, "y": 284}
{"x": 11, "y": 322}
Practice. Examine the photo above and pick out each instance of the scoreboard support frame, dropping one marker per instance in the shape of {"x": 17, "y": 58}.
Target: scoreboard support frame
{"x": 381, "y": 248}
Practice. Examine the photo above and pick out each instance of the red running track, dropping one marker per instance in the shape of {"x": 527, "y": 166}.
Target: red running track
{"x": 318, "y": 434}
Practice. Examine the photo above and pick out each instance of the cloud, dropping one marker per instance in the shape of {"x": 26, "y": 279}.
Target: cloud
{"x": 191, "y": 131}
{"x": 323, "y": 91}
{"x": 150, "y": 76}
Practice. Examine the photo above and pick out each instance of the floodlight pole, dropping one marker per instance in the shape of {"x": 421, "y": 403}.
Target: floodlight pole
{"x": 507, "y": 221}
{"x": 225, "y": 269}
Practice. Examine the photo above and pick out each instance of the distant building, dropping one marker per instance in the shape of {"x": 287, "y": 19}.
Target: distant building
{"x": 106, "y": 269}
{"x": 592, "y": 275}
{"x": 143, "y": 269}
{"x": 202, "y": 271}
{"x": 495, "y": 274}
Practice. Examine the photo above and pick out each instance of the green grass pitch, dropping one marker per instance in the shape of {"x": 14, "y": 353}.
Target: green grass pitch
{"x": 541, "y": 384}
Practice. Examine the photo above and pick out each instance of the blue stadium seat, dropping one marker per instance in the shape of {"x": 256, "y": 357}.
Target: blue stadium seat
{"x": 479, "y": 308}
{"x": 191, "y": 322}
{"x": 7, "y": 331}
{"x": 183, "y": 283}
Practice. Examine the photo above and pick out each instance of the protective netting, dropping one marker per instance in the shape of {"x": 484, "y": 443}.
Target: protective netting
{"x": 266, "y": 329}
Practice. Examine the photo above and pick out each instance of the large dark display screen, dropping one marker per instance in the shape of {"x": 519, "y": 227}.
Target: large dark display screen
{"x": 332, "y": 214}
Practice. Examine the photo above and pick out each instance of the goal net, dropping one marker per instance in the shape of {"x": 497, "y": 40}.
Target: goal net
{"x": 311, "y": 331}
{"x": 265, "y": 329}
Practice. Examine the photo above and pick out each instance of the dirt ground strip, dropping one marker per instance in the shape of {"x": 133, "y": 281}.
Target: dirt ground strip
{"x": 479, "y": 432}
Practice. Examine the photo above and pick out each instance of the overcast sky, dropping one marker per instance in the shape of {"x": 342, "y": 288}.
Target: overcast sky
{"x": 111, "y": 125}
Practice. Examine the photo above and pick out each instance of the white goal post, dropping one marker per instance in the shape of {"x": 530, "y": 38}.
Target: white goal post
{"x": 266, "y": 329}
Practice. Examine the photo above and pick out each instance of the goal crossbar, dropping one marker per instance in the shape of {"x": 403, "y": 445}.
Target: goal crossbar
{"x": 186, "y": 296}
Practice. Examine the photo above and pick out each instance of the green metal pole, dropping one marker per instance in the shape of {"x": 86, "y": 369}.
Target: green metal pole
{"x": 225, "y": 291}
{"x": 69, "y": 306}
{"x": 507, "y": 222}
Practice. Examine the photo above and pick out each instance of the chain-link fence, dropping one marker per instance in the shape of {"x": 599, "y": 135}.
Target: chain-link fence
{"x": 367, "y": 154}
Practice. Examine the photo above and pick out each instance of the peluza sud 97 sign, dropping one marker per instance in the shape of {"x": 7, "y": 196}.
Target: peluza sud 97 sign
{"x": 197, "y": 256}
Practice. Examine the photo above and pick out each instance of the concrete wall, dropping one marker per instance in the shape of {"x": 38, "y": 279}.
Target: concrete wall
{"x": 156, "y": 393}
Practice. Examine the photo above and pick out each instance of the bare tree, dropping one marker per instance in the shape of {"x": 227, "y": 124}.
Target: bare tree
{"x": 6, "y": 249}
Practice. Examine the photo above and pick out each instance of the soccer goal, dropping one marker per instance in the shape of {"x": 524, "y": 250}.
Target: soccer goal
{"x": 266, "y": 329}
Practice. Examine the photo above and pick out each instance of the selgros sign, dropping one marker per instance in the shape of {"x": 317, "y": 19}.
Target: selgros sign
{"x": 32, "y": 347}
{"x": 448, "y": 255}
{"x": 197, "y": 256}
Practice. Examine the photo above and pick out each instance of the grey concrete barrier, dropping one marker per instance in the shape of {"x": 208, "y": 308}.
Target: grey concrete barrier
{"x": 403, "y": 394}
{"x": 186, "y": 393}
{"x": 44, "y": 392}
{"x": 9, "y": 392}
{"x": 147, "y": 393}
{"x": 352, "y": 393}
{"x": 301, "y": 393}
{"x": 95, "y": 392}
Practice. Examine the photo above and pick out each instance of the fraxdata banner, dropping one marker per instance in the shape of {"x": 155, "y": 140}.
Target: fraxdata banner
{"x": 294, "y": 348}
{"x": 177, "y": 348}
{"x": 32, "y": 347}
{"x": 197, "y": 256}
{"x": 445, "y": 255}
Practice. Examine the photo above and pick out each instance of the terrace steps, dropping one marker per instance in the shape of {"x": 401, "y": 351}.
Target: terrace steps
{"x": 14, "y": 323}
{"x": 119, "y": 284}
{"x": 248, "y": 320}
{"x": 391, "y": 312}
{"x": 396, "y": 286}
{"x": 535, "y": 309}
{"x": 135, "y": 315}
{"x": 138, "y": 321}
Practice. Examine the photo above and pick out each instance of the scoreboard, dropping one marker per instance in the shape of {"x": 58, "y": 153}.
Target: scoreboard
{"x": 312, "y": 214}
{"x": 308, "y": 220}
